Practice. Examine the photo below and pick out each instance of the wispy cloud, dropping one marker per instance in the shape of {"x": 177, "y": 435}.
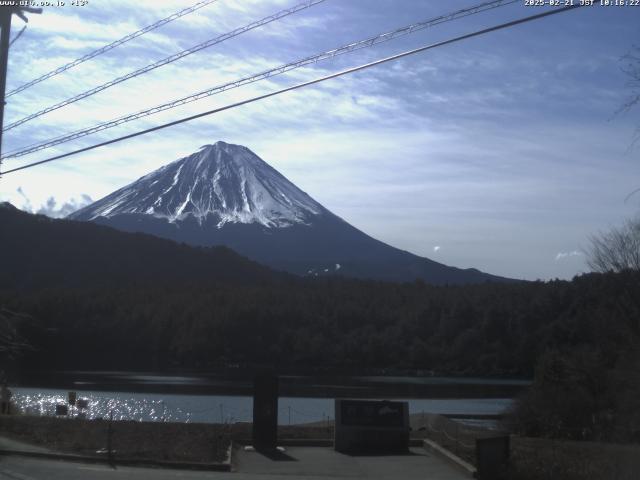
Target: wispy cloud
{"x": 51, "y": 207}
{"x": 573, "y": 253}
{"x": 26, "y": 203}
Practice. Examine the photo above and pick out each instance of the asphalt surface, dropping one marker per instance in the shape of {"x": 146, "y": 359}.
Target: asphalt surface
{"x": 10, "y": 444}
{"x": 317, "y": 462}
{"x": 23, "y": 468}
{"x": 304, "y": 463}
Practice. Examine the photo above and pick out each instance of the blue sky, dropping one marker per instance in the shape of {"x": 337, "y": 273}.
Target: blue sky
{"x": 503, "y": 152}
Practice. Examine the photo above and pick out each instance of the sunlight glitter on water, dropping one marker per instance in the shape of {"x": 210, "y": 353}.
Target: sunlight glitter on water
{"x": 122, "y": 408}
{"x": 138, "y": 407}
{"x": 152, "y": 407}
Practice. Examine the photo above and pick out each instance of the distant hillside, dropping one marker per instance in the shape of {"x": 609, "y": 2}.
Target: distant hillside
{"x": 37, "y": 251}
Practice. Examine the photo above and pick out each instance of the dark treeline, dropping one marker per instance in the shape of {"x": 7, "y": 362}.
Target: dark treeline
{"x": 107, "y": 299}
{"x": 490, "y": 329}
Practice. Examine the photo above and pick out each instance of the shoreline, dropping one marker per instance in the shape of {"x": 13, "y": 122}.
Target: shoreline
{"x": 240, "y": 384}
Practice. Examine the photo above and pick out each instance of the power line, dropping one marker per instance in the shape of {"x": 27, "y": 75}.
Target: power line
{"x": 304, "y": 84}
{"x": 172, "y": 58}
{"x": 111, "y": 46}
{"x": 18, "y": 35}
{"x": 369, "y": 42}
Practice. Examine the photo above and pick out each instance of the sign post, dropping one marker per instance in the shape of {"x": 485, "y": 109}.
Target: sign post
{"x": 265, "y": 411}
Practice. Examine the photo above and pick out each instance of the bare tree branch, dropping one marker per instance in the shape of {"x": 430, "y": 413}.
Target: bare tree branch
{"x": 12, "y": 343}
{"x": 631, "y": 67}
{"x": 616, "y": 250}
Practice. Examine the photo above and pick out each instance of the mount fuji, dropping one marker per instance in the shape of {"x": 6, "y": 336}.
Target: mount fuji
{"x": 226, "y": 195}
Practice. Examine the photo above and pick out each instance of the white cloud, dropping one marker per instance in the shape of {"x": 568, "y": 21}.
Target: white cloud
{"x": 50, "y": 207}
{"x": 563, "y": 255}
{"x": 436, "y": 248}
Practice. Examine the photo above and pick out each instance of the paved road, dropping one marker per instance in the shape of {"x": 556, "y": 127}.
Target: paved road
{"x": 23, "y": 468}
{"x": 315, "y": 462}
{"x": 15, "y": 445}
{"x": 304, "y": 463}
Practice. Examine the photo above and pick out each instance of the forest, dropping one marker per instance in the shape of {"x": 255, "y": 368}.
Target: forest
{"x": 135, "y": 301}
{"x": 87, "y": 301}
{"x": 490, "y": 329}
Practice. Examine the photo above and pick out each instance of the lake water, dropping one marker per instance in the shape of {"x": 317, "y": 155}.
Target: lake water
{"x": 221, "y": 408}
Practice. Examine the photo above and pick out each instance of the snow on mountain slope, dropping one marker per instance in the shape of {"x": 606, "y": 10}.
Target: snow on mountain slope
{"x": 226, "y": 195}
{"x": 226, "y": 181}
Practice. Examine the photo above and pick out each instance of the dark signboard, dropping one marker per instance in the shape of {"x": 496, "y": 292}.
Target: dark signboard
{"x": 371, "y": 426}
{"x": 492, "y": 458}
{"x": 371, "y": 413}
{"x": 62, "y": 409}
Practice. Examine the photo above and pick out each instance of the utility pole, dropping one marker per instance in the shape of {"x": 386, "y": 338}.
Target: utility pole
{"x": 6, "y": 12}
{"x": 5, "y": 25}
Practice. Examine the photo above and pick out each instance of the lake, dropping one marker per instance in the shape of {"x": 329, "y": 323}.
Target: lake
{"x": 222, "y": 398}
{"x": 222, "y": 408}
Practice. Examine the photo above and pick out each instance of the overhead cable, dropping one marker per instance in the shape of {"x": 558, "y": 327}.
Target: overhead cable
{"x": 165, "y": 61}
{"x": 110, "y": 46}
{"x": 304, "y": 84}
{"x": 18, "y": 35}
{"x": 368, "y": 42}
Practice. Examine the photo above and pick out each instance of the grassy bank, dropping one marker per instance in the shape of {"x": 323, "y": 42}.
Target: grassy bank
{"x": 187, "y": 442}
{"x": 129, "y": 439}
{"x": 458, "y": 438}
{"x": 538, "y": 458}
{"x": 542, "y": 459}
{"x": 194, "y": 442}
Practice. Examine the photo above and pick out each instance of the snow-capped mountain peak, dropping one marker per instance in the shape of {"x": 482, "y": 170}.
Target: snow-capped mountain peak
{"x": 225, "y": 194}
{"x": 227, "y": 182}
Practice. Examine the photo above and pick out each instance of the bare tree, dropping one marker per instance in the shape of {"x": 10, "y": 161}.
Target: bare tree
{"x": 12, "y": 343}
{"x": 617, "y": 249}
{"x": 631, "y": 68}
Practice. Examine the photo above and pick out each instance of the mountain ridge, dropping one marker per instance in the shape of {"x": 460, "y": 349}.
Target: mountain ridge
{"x": 225, "y": 194}
{"x": 81, "y": 254}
